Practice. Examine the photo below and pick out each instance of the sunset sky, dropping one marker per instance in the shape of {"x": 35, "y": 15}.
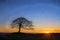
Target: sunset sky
{"x": 45, "y": 14}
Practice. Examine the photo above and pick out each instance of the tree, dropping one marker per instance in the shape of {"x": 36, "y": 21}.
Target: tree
{"x": 21, "y": 22}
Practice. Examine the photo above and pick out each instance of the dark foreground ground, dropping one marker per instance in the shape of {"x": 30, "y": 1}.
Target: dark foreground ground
{"x": 24, "y": 36}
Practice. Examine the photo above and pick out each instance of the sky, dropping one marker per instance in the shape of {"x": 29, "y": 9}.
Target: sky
{"x": 45, "y": 14}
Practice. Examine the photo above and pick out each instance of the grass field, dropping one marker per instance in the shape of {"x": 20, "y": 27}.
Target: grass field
{"x": 27, "y": 36}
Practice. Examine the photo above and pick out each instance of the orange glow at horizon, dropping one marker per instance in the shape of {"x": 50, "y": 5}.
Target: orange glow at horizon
{"x": 36, "y": 30}
{"x": 30, "y": 31}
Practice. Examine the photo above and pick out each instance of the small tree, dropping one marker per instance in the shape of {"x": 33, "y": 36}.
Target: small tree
{"x": 21, "y": 22}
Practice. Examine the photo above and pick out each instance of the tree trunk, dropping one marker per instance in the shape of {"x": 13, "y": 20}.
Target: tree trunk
{"x": 19, "y": 28}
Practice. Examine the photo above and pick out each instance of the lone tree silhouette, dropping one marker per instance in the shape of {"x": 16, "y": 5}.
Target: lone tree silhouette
{"x": 21, "y": 22}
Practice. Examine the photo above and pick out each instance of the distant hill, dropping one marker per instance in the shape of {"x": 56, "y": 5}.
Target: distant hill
{"x": 29, "y": 36}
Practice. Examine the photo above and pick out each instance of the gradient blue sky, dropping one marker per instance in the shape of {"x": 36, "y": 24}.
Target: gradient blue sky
{"x": 38, "y": 11}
